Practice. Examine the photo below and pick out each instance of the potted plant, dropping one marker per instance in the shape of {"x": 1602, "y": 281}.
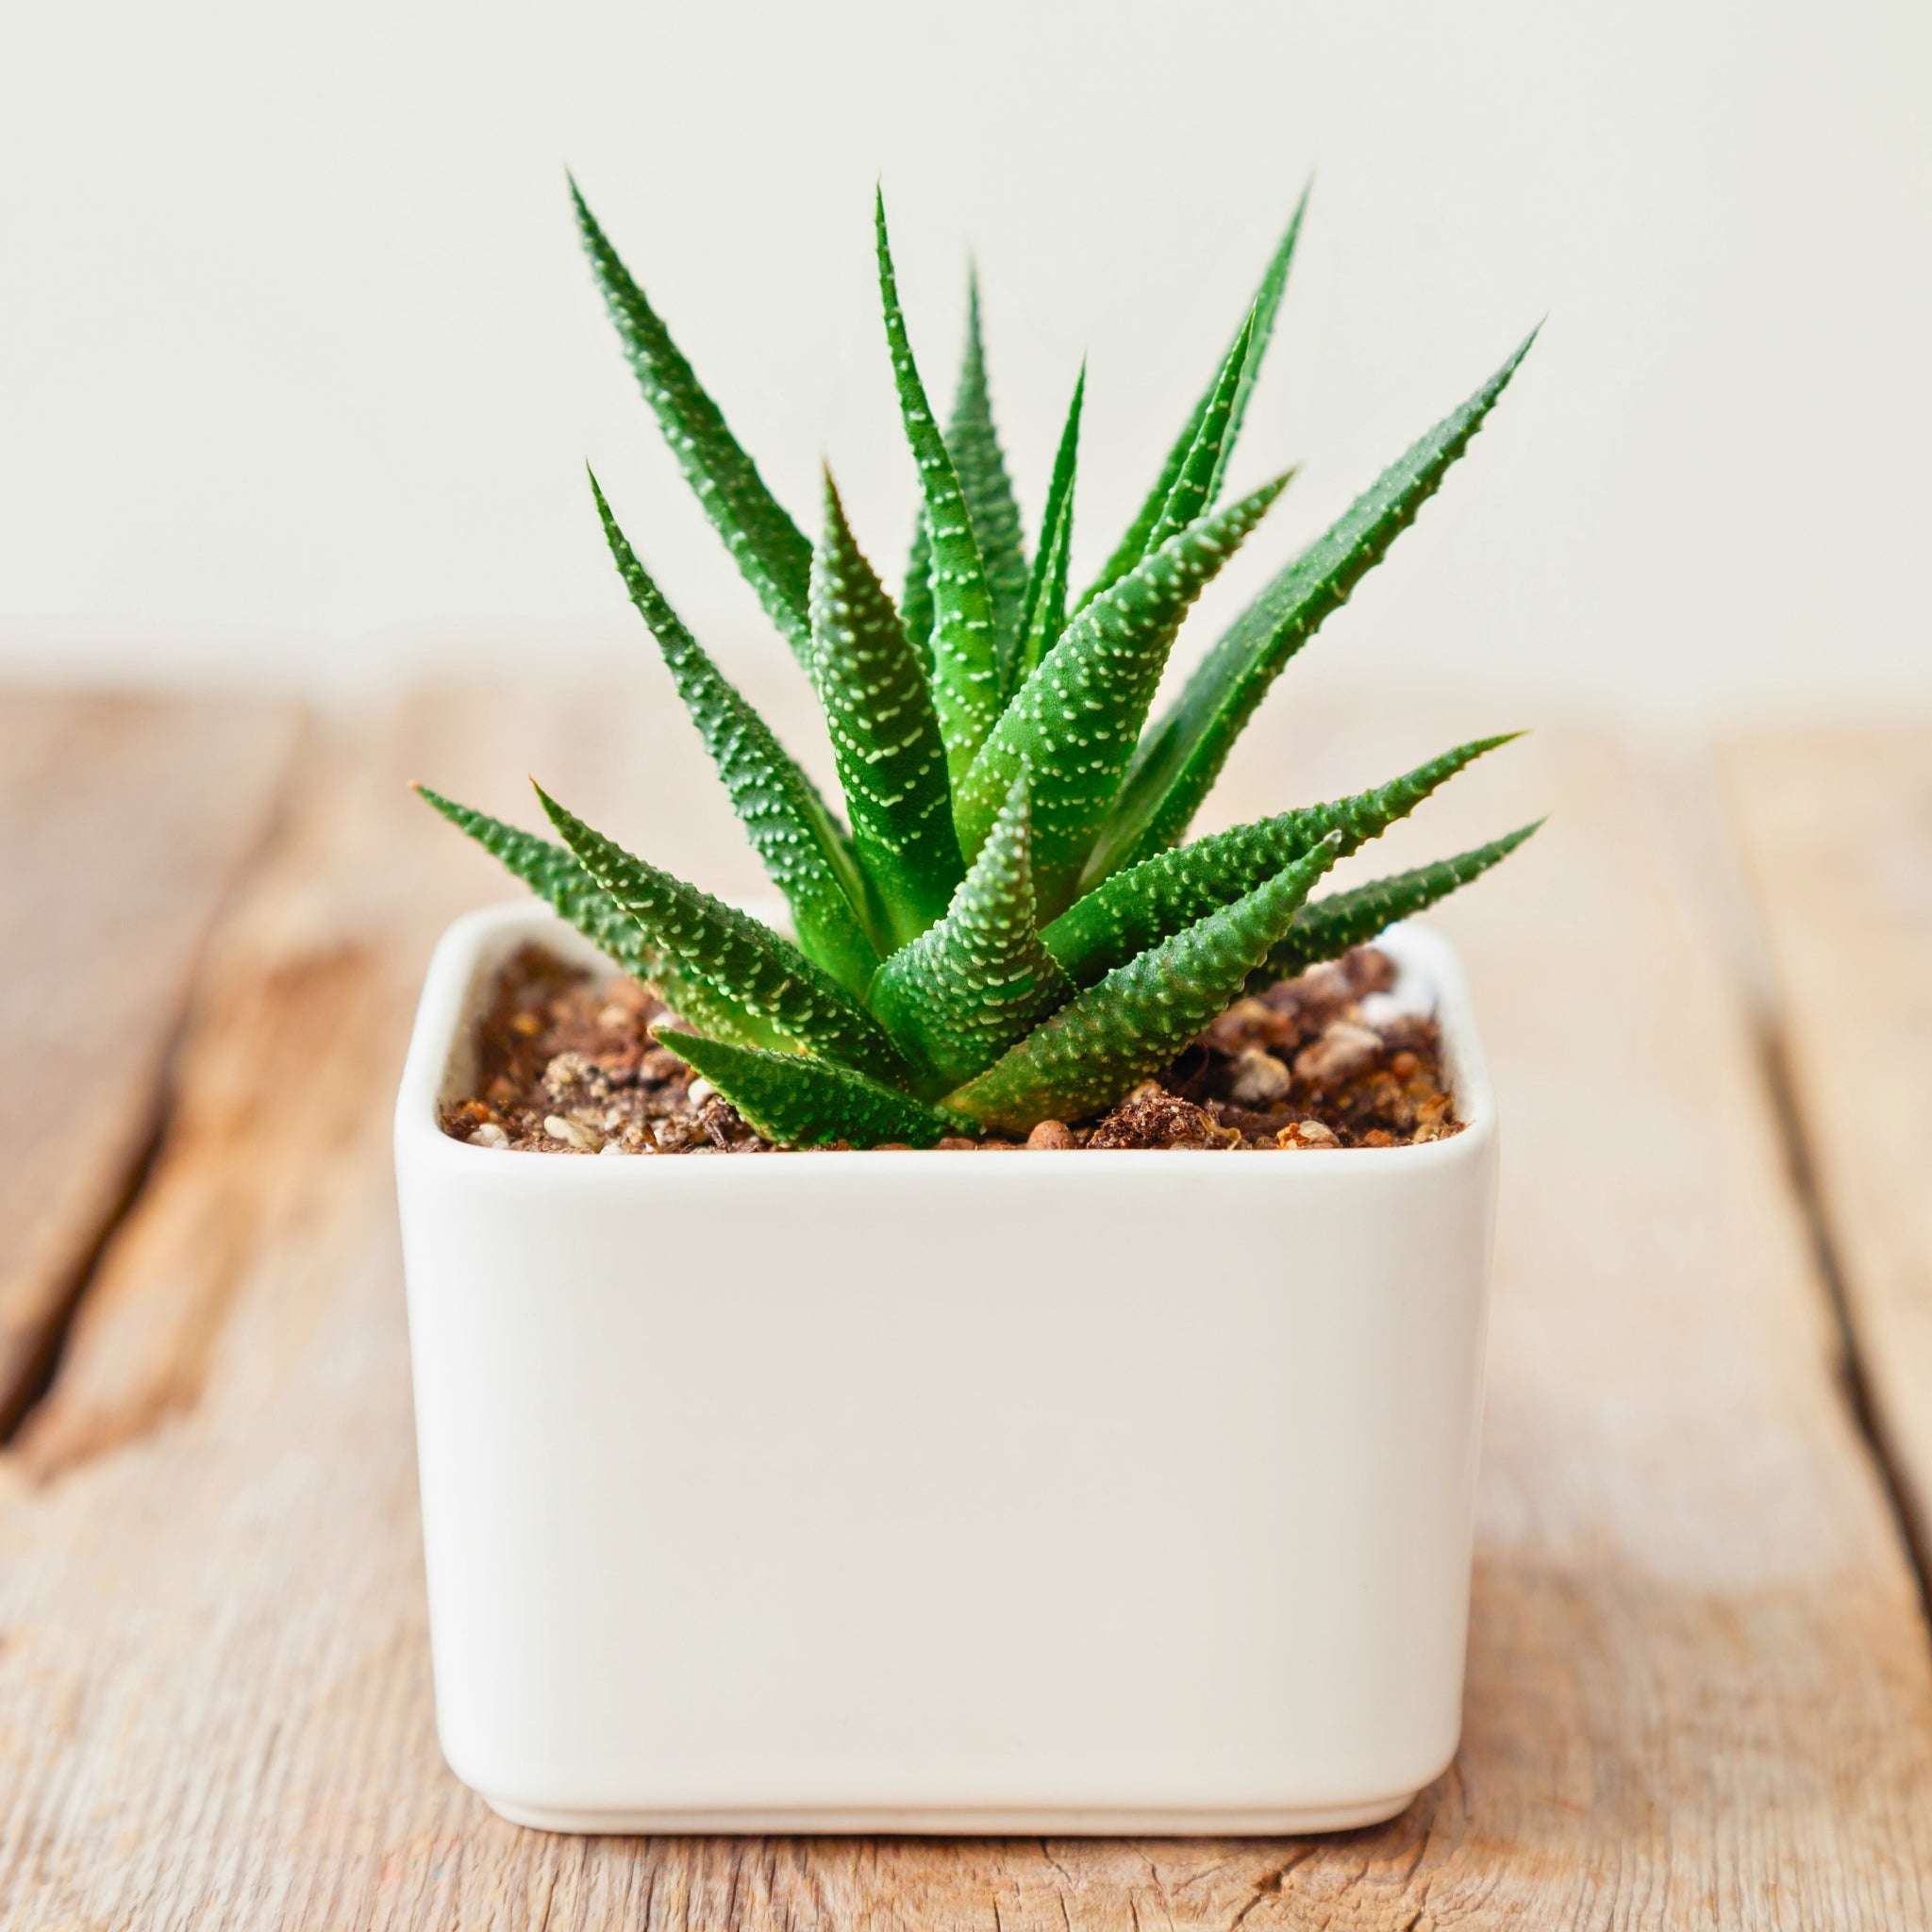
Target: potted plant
{"x": 899, "y": 1478}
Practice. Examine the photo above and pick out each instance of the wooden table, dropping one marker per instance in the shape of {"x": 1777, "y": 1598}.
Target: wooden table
{"x": 1700, "y": 1686}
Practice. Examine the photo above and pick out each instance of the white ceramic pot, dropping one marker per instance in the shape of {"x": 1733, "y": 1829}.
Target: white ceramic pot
{"x": 939, "y": 1491}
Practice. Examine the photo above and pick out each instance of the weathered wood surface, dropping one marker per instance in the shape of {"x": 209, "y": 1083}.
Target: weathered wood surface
{"x": 1700, "y": 1685}
{"x": 122, "y": 824}
{"x": 1837, "y": 833}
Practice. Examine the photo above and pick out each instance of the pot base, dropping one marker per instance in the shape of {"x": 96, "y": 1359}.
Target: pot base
{"x": 938, "y": 1821}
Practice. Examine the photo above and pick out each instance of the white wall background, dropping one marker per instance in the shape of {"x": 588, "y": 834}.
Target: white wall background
{"x": 300, "y": 363}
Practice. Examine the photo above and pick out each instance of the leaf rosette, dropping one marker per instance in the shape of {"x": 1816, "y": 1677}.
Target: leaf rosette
{"x": 1009, "y": 923}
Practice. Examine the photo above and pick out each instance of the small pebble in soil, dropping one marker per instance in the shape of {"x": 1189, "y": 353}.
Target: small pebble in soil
{"x": 1343, "y": 1050}
{"x": 1259, "y": 1079}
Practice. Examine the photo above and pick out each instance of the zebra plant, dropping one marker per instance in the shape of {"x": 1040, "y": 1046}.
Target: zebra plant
{"x": 1010, "y": 925}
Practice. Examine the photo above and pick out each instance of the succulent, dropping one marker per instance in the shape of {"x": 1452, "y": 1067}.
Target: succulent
{"x": 1007, "y": 924}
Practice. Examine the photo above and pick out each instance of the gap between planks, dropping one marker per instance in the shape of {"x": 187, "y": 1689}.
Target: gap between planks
{"x": 1714, "y": 817}
{"x": 1861, "y": 1385}
{"x": 35, "y": 1363}
{"x": 129, "y": 823}
{"x": 1834, "y": 828}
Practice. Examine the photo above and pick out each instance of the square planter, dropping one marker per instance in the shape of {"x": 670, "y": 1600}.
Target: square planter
{"x": 1080, "y": 1492}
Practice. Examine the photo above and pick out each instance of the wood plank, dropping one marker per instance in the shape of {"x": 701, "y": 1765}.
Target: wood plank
{"x": 123, "y": 824}
{"x": 1700, "y": 1687}
{"x": 307, "y": 992}
{"x": 1836, "y": 829}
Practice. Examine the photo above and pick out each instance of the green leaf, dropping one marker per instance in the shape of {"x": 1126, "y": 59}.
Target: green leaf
{"x": 1178, "y": 763}
{"x": 1091, "y": 1052}
{"x": 1266, "y": 306}
{"x": 915, "y": 601}
{"x": 763, "y": 541}
{"x": 1074, "y": 720}
{"x": 975, "y": 447}
{"x": 1188, "y": 496}
{"x": 803, "y": 847}
{"x": 965, "y": 654}
{"x": 802, "y": 1103}
{"x": 1043, "y": 610}
{"x": 885, "y": 736}
{"x": 964, "y": 991}
{"x": 1261, "y": 314}
{"x": 981, "y": 467}
{"x": 1138, "y": 908}
{"x": 1329, "y": 927}
{"x": 733, "y": 954}
{"x": 553, "y": 874}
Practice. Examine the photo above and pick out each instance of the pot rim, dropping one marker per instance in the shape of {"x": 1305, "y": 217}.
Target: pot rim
{"x": 476, "y": 943}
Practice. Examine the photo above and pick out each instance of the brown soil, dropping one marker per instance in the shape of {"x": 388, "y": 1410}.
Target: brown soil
{"x": 566, "y": 1065}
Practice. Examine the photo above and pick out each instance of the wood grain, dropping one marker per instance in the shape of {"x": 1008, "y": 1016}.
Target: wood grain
{"x": 125, "y": 822}
{"x": 1837, "y": 834}
{"x": 1699, "y": 1690}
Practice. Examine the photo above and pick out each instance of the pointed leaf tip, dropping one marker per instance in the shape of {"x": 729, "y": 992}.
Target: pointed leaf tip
{"x": 1178, "y": 761}
{"x": 1229, "y": 410}
{"x": 805, "y": 851}
{"x": 971, "y": 986}
{"x": 979, "y": 461}
{"x": 1044, "y": 607}
{"x": 1078, "y": 716}
{"x": 1135, "y": 1019}
{"x": 737, "y": 955}
{"x": 887, "y": 740}
{"x": 1132, "y": 909}
{"x": 554, "y": 874}
{"x": 764, "y": 543}
{"x": 1328, "y": 927}
{"x": 965, "y": 667}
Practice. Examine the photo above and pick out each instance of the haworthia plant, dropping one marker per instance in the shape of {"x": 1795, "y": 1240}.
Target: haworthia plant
{"x": 1011, "y": 929}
